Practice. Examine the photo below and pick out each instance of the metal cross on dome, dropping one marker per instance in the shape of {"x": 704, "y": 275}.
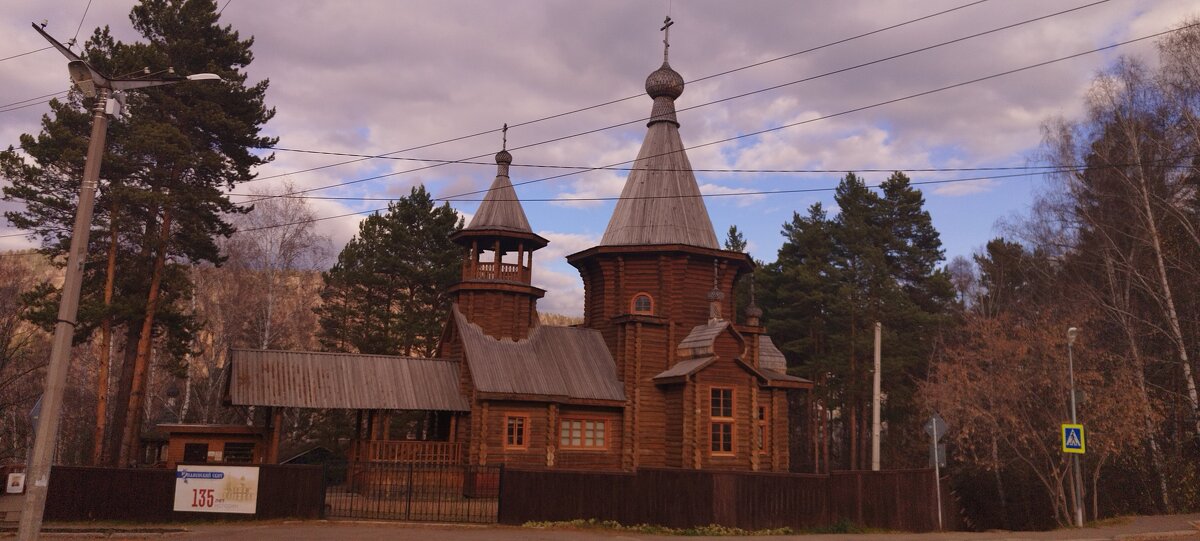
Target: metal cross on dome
{"x": 666, "y": 29}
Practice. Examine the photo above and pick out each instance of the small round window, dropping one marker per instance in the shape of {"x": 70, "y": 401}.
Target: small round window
{"x": 643, "y": 304}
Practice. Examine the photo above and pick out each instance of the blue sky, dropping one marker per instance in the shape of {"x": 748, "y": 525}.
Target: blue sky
{"x": 375, "y": 77}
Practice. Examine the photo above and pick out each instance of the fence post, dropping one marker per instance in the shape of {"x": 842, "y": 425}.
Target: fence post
{"x": 324, "y": 488}
{"x": 500, "y": 493}
{"x": 858, "y": 497}
{"x": 408, "y": 499}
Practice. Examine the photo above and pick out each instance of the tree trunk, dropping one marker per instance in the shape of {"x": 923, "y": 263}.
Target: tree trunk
{"x": 105, "y": 343}
{"x": 133, "y": 417}
{"x": 1001, "y": 496}
{"x": 120, "y": 402}
{"x": 1121, "y": 313}
{"x": 1165, "y": 284}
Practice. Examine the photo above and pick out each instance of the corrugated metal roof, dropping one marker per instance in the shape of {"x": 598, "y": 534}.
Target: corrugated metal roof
{"x": 661, "y": 201}
{"x": 769, "y": 356}
{"x": 302, "y": 379}
{"x": 554, "y": 361}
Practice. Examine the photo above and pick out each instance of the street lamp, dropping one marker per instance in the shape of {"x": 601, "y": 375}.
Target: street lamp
{"x": 109, "y": 98}
{"x": 1071, "y": 334}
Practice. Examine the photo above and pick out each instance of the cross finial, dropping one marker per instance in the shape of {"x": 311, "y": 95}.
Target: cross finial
{"x": 504, "y": 137}
{"x": 666, "y": 28}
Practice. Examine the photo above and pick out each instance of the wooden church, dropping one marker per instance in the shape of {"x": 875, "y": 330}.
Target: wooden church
{"x": 658, "y": 374}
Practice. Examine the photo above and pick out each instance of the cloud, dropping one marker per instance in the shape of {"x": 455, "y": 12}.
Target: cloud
{"x": 739, "y": 200}
{"x": 969, "y": 187}
{"x": 436, "y": 79}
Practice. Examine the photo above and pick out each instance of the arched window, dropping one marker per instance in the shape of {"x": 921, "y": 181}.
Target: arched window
{"x": 642, "y": 304}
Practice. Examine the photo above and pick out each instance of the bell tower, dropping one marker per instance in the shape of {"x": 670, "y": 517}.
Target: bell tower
{"x": 496, "y": 292}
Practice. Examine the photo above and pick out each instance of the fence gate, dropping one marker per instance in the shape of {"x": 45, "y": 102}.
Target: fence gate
{"x": 418, "y": 492}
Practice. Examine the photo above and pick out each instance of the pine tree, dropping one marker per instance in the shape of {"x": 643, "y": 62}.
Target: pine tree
{"x": 834, "y": 278}
{"x": 166, "y": 166}
{"x": 734, "y": 240}
{"x": 387, "y": 293}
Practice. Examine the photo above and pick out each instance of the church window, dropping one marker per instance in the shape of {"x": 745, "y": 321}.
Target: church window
{"x": 721, "y": 420}
{"x": 642, "y": 304}
{"x": 514, "y": 432}
{"x": 583, "y": 434}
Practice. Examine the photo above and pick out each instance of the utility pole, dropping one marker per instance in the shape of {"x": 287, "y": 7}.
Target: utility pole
{"x": 1078, "y": 482}
{"x": 96, "y": 85}
{"x": 64, "y": 330}
{"x": 876, "y": 428}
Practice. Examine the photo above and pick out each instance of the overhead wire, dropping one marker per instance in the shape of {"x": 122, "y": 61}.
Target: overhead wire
{"x": 25, "y": 53}
{"x": 618, "y": 198}
{"x": 26, "y": 105}
{"x": 619, "y": 100}
{"x": 793, "y": 124}
{"x": 81, "y": 19}
{"x": 721, "y": 100}
{"x": 895, "y": 100}
{"x": 785, "y": 126}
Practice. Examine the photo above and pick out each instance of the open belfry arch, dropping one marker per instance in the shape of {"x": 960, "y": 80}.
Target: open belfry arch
{"x": 660, "y": 373}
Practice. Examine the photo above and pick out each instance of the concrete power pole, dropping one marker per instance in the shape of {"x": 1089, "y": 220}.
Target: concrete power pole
{"x": 45, "y": 437}
{"x": 876, "y": 429}
{"x": 96, "y": 85}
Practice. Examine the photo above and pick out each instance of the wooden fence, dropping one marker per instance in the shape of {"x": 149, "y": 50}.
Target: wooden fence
{"x": 895, "y": 500}
{"x": 147, "y": 495}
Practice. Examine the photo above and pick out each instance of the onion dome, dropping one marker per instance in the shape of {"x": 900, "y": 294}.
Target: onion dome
{"x": 715, "y": 295}
{"x": 503, "y": 158}
{"x": 664, "y": 82}
{"x": 753, "y": 311}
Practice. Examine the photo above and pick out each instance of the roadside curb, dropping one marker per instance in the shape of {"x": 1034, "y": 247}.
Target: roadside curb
{"x": 1172, "y": 534}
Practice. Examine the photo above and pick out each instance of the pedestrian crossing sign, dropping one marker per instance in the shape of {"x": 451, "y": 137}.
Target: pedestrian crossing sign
{"x": 1072, "y": 439}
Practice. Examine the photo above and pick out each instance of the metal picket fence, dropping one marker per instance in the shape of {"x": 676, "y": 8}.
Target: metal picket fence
{"x": 416, "y": 492}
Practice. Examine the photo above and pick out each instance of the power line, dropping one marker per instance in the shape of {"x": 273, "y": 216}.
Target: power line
{"x": 1028, "y": 169}
{"x": 626, "y": 98}
{"x": 23, "y": 54}
{"x": 642, "y": 119}
{"x": 1043, "y": 170}
{"x": 34, "y": 98}
{"x": 81, "y": 19}
{"x": 617, "y": 198}
{"x": 24, "y": 106}
{"x": 10, "y": 106}
{"x": 222, "y": 10}
{"x": 790, "y": 125}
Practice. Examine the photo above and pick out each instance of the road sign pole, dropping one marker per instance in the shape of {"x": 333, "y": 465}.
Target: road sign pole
{"x": 1078, "y": 485}
{"x": 937, "y": 481}
{"x": 936, "y": 428}
{"x": 876, "y": 429}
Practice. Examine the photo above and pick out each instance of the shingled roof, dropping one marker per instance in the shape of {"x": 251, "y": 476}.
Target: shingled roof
{"x": 661, "y": 201}
{"x": 769, "y": 356}
{"x": 304, "y": 379}
{"x": 500, "y": 209}
{"x": 554, "y": 362}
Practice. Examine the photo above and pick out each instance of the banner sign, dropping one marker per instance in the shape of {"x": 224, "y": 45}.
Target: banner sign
{"x": 216, "y": 489}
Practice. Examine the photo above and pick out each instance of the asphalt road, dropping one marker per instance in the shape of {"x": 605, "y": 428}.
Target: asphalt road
{"x": 1173, "y": 527}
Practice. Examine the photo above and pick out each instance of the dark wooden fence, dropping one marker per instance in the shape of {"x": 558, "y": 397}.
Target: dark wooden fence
{"x": 895, "y": 500}
{"x": 147, "y": 495}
